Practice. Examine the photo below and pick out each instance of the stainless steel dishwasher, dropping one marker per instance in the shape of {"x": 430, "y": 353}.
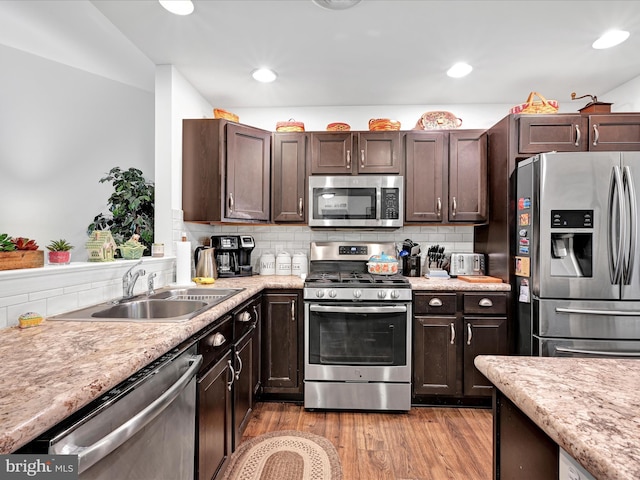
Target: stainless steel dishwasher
{"x": 143, "y": 429}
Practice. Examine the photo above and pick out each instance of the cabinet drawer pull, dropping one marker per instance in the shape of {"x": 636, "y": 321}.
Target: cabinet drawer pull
{"x": 215, "y": 340}
{"x": 439, "y": 207}
{"x": 454, "y": 207}
{"x": 469, "y": 334}
{"x": 231, "y": 202}
{"x": 485, "y": 302}
{"x": 435, "y": 302}
{"x": 293, "y": 310}
{"x": 348, "y": 159}
{"x": 596, "y": 135}
{"x": 362, "y": 158}
{"x": 578, "y": 135}
{"x": 233, "y": 375}
{"x": 453, "y": 333}
{"x": 300, "y": 207}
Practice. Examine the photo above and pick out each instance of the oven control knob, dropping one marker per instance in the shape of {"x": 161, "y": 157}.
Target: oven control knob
{"x": 395, "y": 293}
{"x": 357, "y": 293}
{"x": 320, "y": 293}
{"x": 333, "y": 293}
{"x": 382, "y": 293}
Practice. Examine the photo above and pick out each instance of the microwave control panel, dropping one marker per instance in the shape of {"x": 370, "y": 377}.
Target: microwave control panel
{"x": 390, "y": 208}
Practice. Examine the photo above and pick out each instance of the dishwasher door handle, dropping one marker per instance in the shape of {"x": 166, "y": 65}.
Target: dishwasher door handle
{"x": 89, "y": 456}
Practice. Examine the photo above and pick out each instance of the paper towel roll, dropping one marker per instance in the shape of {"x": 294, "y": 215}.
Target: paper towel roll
{"x": 183, "y": 263}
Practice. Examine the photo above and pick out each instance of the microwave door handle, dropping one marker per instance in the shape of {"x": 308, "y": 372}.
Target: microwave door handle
{"x": 615, "y": 257}
{"x": 633, "y": 226}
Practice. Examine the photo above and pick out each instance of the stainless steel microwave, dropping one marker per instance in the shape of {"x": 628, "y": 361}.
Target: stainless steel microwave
{"x": 356, "y": 201}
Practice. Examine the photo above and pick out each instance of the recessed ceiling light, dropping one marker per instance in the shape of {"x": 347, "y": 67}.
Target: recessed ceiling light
{"x": 459, "y": 70}
{"x": 610, "y": 39}
{"x": 264, "y": 75}
{"x": 336, "y": 4}
{"x": 178, "y": 7}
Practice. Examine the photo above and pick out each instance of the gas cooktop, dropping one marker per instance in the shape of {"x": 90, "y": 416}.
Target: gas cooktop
{"x": 360, "y": 279}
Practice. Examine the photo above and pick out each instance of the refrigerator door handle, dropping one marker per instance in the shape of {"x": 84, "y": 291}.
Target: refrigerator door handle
{"x": 616, "y": 257}
{"x": 607, "y": 313}
{"x": 630, "y": 190}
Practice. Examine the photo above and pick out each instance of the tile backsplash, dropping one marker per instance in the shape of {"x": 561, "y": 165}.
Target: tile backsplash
{"x": 56, "y": 289}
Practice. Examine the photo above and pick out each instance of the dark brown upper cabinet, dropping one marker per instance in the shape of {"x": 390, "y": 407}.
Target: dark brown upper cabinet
{"x": 226, "y": 171}
{"x": 446, "y": 180}
{"x": 288, "y": 184}
{"x": 356, "y": 153}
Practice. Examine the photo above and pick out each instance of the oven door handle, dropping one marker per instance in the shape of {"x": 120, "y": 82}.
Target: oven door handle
{"x": 90, "y": 455}
{"x": 358, "y": 309}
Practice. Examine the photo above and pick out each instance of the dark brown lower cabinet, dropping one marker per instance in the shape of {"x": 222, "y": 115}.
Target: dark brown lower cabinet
{"x": 282, "y": 342}
{"x": 520, "y": 448}
{"x": 243, "y": 385}
{"x": 446, "y": 341}
{"x": 215, "y": 429}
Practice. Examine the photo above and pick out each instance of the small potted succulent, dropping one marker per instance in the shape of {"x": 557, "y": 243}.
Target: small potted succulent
{"x": 59, "y": 251}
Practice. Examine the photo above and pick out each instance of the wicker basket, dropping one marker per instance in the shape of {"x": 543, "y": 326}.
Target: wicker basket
{"x": 219, "y": 113}
{"x": 290, "y": 126}
{"x": 377, "y": 124}
{"x": 536, "y": 106}
{"x": 338, "y": 127}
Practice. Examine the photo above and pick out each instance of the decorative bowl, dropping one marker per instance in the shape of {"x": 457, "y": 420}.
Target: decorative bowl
{"x": 438, "y": 120}
{"x": 129, "y": 252}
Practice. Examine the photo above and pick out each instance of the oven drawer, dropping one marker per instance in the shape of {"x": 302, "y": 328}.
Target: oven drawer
{"x": 485, "y": 303}
{"x": 435, "y": 303}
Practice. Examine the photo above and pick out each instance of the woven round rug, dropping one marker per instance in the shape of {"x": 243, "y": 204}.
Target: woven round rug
{"x": 285, "y": 455}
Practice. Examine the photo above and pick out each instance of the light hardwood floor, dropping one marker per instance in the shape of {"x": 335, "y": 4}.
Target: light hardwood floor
{"x": 427, "y": 443}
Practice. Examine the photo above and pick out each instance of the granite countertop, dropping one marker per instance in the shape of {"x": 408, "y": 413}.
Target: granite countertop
{"x": 51, "y": 371}
{"x": 589, "y": 406}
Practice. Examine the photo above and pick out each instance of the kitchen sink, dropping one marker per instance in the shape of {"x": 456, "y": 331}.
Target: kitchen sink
{"x": 172, "y": 305}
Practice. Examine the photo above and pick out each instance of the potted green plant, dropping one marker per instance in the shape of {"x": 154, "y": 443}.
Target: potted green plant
{"x": 131, "y": 208}
{"x": 59, "y": 251}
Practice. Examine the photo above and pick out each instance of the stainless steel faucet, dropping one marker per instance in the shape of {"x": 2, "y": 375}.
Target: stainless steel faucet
{"x": 129, "y": 280}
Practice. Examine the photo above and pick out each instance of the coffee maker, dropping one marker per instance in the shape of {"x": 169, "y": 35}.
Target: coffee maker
{"x": 233, "y": 255}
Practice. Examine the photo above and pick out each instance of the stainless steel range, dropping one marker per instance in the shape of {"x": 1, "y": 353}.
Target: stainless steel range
{"x": 357, "y": 331}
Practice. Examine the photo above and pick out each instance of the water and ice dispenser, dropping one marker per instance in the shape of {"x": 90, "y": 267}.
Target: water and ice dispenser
{"x": 572, "y": 247}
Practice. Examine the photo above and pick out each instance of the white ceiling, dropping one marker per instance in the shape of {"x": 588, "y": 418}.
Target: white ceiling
{"x": 386, "y": 52}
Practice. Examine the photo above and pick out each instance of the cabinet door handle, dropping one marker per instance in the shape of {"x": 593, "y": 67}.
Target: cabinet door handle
{"x": 362, "y": 158}
{"x": 233, "y": 375}
{"x": 596, "y": 135}
{"x": 578, "y": 135}
{"x": 453, "y": 333}
{"x": 239, "y": 370}
{"x": 454, "y": 207}
{"x": 439, "y": 207}
{"x": 293, "y": 310}
{"x": 231, "y": 202}
{"x": 348, "y": 159}
{"x": 300, "y": 207}
{"x": 435, "y": 302}
{"x": 485, "y": 302}
{"x": 469, "y": 334}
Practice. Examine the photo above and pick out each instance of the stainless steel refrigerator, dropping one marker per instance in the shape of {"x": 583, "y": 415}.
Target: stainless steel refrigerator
{"x": 576, "y": 259}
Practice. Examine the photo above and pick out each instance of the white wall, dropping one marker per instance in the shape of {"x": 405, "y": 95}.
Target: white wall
{"x": 625, "y": 98}
{"x": 70, "y": 112}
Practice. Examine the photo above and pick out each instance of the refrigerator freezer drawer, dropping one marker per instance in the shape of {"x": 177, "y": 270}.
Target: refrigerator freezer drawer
{"x": 587, "y": 319}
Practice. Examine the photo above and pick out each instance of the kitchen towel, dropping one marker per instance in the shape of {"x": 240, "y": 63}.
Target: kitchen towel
{"x": 183, "y": 264}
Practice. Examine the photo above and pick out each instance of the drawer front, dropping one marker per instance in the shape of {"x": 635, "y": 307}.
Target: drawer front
{"x": 485, "y": 303}
{"x": 435, "y": 303}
